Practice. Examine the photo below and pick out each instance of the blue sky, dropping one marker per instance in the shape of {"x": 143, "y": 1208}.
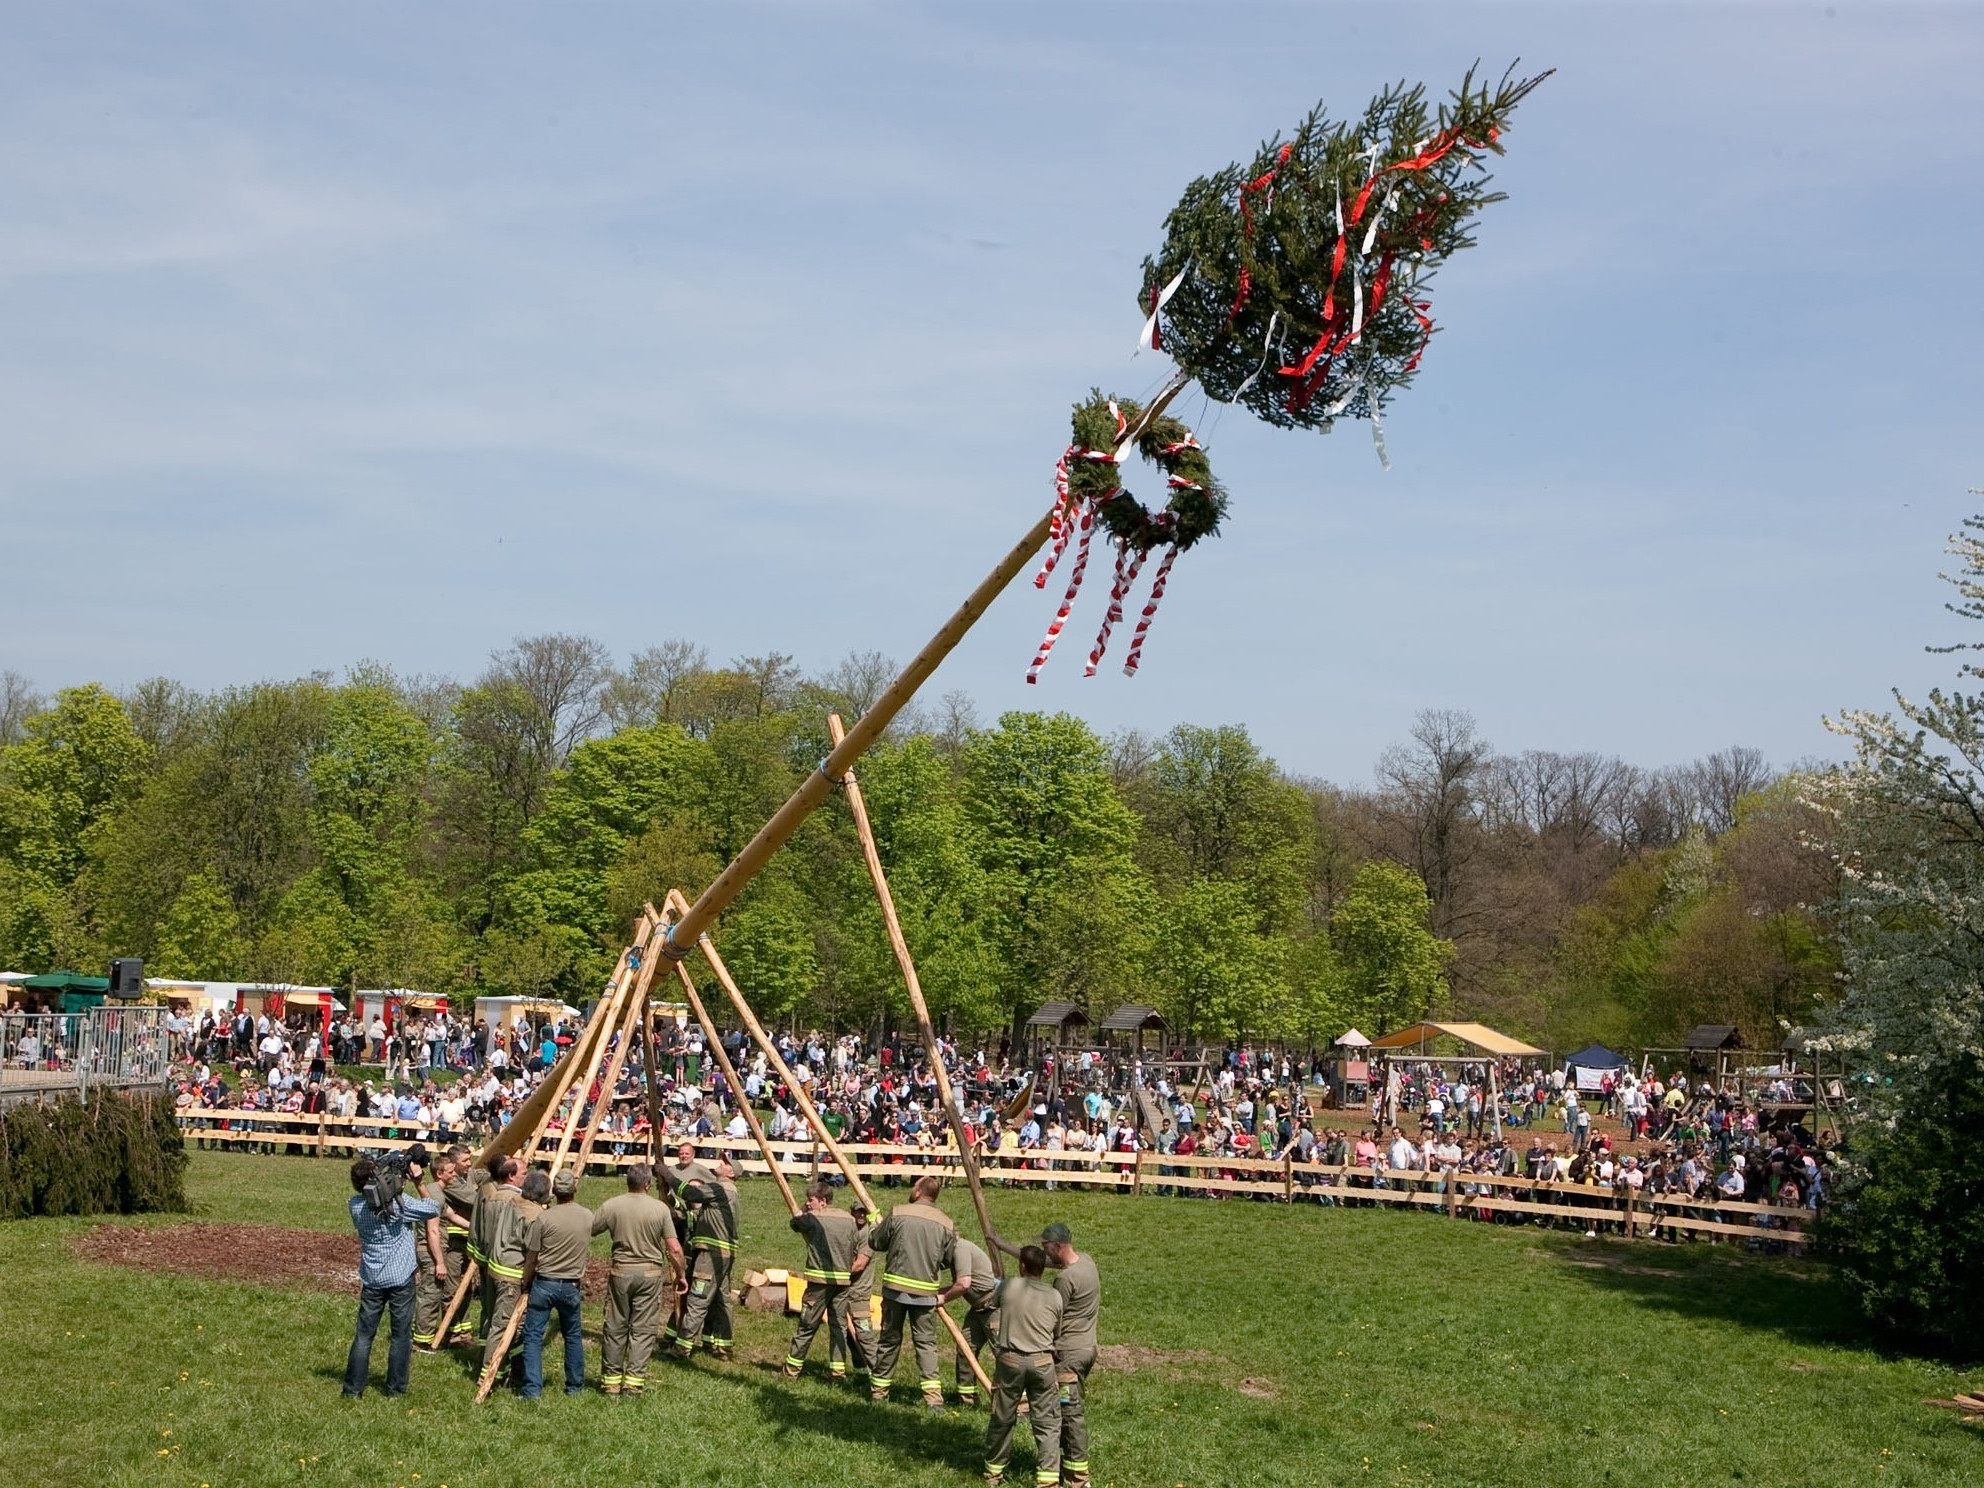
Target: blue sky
{"x": 379, "y": 331}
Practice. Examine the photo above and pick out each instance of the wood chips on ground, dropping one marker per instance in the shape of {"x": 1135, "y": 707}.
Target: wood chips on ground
{"x": 261, "y": 1255}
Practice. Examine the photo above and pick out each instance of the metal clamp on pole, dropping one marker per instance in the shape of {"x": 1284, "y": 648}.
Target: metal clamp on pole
{"x": 670, "y": 949}
{"x": 838, "y": 782}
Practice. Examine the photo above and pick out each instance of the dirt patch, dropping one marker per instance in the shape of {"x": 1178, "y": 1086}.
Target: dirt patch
{"x": 1259, "y": 1389}
{"x": 262, "y": 1255}
{"x": 1800, "y": 1367}
{"x": 1603, "y": 1262}
{"x": 1132, "y": 1356}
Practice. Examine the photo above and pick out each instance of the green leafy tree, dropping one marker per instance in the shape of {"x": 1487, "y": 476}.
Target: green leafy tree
{"x": 1393, "y": 966}
{"x": 1221, "y": 974}
{"x": 201, "y": 937}
{"x": 59, "y": 785}
{"x": 1054, "y": 834}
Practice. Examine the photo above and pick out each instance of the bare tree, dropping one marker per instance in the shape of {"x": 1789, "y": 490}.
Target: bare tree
{"x": 772, "y": 681}
{"x": 1433, "y": 784}
{"x": 652, "y": 689}
{"x": 957, "y": 721}
{"x": 1722, "y": 779}
{"x": 165, "y": 714}
{"x": 561, "y": 676}
{"x": 857, "y": 679}
{"x": 18, "y": 703}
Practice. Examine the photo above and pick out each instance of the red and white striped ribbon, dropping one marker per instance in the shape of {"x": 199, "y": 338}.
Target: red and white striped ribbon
{"x": 1086, "y": 524}
{"x": 1127, "y": 569}
{"x": 1136, "y": 655}
{"x": 1058, "y": 526}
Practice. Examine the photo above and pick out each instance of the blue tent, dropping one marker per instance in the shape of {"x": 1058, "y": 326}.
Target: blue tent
{"x": 1596, "y": 1057}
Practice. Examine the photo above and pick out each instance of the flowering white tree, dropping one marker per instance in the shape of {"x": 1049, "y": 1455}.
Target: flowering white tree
{"x": 1908, "y": 1220}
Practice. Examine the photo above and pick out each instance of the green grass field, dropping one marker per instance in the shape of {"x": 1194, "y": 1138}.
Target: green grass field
{"x": 1373, "y": 1347}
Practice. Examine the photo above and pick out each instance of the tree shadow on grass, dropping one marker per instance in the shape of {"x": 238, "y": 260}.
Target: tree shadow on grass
{"x": 914, "y": 1436}
{"x": 1801, "y": 1301}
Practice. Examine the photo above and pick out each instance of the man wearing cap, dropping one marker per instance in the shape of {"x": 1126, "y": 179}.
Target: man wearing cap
{"x": 647, "y": 1267}
{"x": 555, "y": 1245}
{"x": 920, "y": 1242}
{"x": 1030, "y": 1318}
{"x": 859, "y": 1301}
{"x": 712, "y": 1199}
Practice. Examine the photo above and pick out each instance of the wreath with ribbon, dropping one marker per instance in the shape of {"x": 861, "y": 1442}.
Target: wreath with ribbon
{"x": 1293, "y": 286}
{"x": 1089, "y": 492}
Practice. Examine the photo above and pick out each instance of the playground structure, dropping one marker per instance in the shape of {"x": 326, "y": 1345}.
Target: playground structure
{"x": 1415, "y": 1045}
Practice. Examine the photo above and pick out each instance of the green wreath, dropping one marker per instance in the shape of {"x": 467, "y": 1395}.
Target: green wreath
{"x": 1197, "y": 503}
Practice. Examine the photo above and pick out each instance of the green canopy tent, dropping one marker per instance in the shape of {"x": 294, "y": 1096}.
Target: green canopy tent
{"x": 75, "y": 992}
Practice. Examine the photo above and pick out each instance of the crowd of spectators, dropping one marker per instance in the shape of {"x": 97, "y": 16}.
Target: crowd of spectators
{"x": 442, "y": 1078}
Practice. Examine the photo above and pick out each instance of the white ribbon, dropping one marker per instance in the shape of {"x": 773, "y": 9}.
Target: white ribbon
{"x": 1267, "y": 350}
{"x": 1378, "y": 435}
{"x": 1148, "y": 340}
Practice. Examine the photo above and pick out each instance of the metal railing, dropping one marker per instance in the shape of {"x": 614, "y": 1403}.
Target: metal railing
{"x": 56, "y": 1053}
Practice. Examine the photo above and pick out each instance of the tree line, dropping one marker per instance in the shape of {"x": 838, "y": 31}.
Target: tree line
{"x": 501, "y": 835}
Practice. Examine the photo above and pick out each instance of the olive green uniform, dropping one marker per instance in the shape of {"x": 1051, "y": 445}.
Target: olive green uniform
{"x": 982, "y": 1315}
{"x": 1030, "y": 1318}
{"x": 432, "y": 1290}
{"x": 457, "y": 1214}
{"x": 920, "y": 1243}
{"x": 830, "y": 1239}
{"x": 859, "y": 1303}
{"x": 1080, "y": 1286}
{"x": 642, "y": 1230}
{"x": 713, "y": 1244}
{"x": 499, "y": 1226}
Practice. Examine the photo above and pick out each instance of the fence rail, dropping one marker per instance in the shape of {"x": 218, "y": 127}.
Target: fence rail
{"x": 1459, "y": 1195}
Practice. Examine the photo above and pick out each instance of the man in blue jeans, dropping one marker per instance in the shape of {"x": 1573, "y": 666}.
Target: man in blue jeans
{"x": 555, "y": 1245}
{"x": 385, "y": 1271}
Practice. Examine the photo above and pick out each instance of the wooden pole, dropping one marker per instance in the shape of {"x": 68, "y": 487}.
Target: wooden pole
{"x": 655, "y": 1122}
{"x": 777, "y": 1061}
{"x": 610, "y": 1020}
{"x": 774, "y": 834}
{"x": 805, "y": 1103}
{"x": 952, "y": 1115}
{"x": 502, "y": 1353}
{"x": 455, "y": 1304}
{"x": 629, "y": 1023}
{"x": 520, "y": 1132}
{"x": 722, "y": 1058}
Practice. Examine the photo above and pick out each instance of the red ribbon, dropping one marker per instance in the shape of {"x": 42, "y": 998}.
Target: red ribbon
{"x": 1260, "y": 183}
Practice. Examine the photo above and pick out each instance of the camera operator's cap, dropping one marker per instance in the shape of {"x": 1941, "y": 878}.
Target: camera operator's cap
{"x": 565, "y": 1183}
{"x": 1057, "y": 1234}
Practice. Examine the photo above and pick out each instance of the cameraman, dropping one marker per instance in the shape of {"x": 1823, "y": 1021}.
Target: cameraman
{"x": 386, "y": 1221}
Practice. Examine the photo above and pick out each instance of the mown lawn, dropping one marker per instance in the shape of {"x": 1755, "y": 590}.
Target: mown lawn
{"x": 1373, "y": 1347}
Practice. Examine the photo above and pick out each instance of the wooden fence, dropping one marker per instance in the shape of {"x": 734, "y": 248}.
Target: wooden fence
{"x": 1283, "y": 1180}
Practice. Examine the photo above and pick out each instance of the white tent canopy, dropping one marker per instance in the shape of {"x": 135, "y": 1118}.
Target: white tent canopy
{"x": 1353, "y": 1040}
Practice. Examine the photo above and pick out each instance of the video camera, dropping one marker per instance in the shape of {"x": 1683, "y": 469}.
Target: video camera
{"x": 389, "y": 1177}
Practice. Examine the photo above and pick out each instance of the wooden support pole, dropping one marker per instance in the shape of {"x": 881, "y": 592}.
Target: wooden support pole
{"x": 469, "y": 1273}
{"x": 952, "y": 1115}
{"x": 774, "y": 834}
{"x": 630, "y": 1023}
{"x": 502, "y": 1351}
{"x": 655, "y": 1122}
{"x": 722, "y": 1058}
{"x": 520, "y": 1132}
{"x": 812, "y": 1113}
{"x": 607, "y": 1019}
{"x": 777, "y": 1061}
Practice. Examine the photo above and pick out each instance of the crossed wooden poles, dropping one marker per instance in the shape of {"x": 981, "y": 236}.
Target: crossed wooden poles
{"x": 600, "y": 1055}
